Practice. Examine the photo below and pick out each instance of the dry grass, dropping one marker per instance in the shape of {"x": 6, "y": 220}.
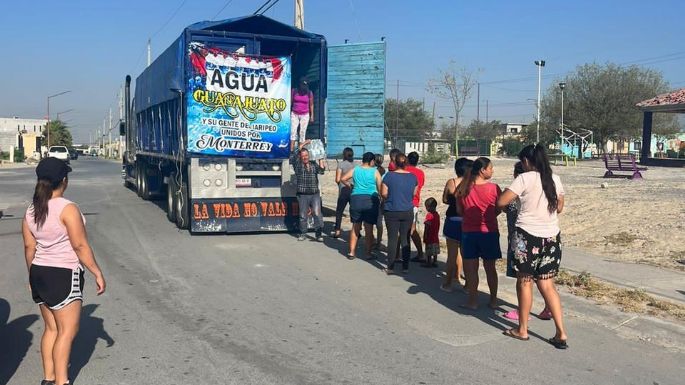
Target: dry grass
{"x": 622, "y": 238}
{"x": 629, "y": 300}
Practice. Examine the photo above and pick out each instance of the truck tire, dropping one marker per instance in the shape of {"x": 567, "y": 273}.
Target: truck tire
{"x": 182, "y": 207}
{"x": 144, "y": 188}
{"x": 171, "y": 190}
{"x": 139, "y": 178}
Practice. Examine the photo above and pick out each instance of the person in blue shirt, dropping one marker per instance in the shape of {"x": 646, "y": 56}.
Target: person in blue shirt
{"x": 398, "y": 190}
{"x": 364, "y": 202}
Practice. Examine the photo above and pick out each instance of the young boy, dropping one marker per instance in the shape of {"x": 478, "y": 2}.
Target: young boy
{"x": 430, "y": 233}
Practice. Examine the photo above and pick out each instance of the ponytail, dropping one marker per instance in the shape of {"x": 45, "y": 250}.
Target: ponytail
{"x": 41, "y": 196}
{"x": 469, "y": 178}
{"x": 536, "y": 156}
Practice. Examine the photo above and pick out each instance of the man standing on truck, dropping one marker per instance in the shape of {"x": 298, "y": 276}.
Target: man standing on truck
{"x": 308, "y": 194}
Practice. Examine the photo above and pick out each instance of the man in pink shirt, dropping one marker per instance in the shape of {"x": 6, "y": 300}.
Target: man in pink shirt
{"x": 413, "y": 160}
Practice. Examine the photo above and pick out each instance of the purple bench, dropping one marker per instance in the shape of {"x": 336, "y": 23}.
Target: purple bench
{"x": 622, "y": 163}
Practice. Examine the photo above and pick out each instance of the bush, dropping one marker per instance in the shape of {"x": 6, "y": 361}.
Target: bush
{"x": 18, "y": 155}
{"x": 511, "y": 147}
{"x": 433, "y": 157}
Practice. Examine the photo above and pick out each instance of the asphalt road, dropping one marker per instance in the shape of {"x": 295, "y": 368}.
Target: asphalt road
{"x": 267, "y": 309}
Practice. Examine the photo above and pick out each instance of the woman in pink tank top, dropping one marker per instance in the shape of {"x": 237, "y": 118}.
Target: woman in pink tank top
{"x": 56, "y": 249}
{"x": 302, "y": 112}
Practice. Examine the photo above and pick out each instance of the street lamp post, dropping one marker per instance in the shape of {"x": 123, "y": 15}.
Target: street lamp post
{"x": 562, "y": 85}
{"x": 63, "y": 112}
{"x": 48, "y": 125}
{"x": 540, "y": 64}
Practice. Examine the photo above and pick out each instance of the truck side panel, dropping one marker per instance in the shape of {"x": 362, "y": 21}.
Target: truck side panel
{"x": 356, "y": 98}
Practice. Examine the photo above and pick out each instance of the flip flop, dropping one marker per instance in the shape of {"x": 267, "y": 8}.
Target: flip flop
{"x": 510, "y": 333}
{"x": 557, "y": 343}
{"x": 350, "y": 257}
{"x": 545, "y": 315}
{"x": 513, "y": 315}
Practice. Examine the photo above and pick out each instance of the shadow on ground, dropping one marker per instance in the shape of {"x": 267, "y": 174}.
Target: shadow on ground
{"x": 91, "y": 330}
{"x": 16, "y": 340}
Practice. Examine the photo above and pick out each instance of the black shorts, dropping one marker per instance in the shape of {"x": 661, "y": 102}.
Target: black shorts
{"x": 535, "y": 257}
{"x": 56, "y": 287}
{"x": 364, "y": 208}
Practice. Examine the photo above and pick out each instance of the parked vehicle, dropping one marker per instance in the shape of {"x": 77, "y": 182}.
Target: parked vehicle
{"x": 209, "y": 125}
{"x": 59, "y": 152}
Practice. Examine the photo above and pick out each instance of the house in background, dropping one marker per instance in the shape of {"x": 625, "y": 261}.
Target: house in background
{"x": 21, "y": 133}
{"x": 512, "y": 130}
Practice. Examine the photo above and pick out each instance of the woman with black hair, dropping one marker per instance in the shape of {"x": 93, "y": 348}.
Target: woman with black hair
{"x": 536, "y": 241}
{"x": 452, "y": 227}
{"x": 344, "y": 188}
{"x": 398, "y": 190}
{"x": 364, "y": 202}
{"x": 476, "y": 202}
{"x": 302, "y": 112}
{"x": 56, "y": 249}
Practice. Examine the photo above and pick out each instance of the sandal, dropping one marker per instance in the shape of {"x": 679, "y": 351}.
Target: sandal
{"x": 350, "y": 257}
{"x": 545, "y": 314}
{"x": 557, "y": 343}
{"x": 510, "y": 333}
{"x": 513, "y": 315}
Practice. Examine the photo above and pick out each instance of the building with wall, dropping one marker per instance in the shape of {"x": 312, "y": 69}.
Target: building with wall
{"x": 509, "y": 130}
{"x": 12, "y": 129}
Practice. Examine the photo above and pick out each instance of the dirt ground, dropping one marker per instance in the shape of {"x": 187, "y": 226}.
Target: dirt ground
{"x": 641, "y": 221}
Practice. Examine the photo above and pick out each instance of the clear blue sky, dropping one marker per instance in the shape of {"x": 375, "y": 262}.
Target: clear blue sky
{"x": 88, "y": 46}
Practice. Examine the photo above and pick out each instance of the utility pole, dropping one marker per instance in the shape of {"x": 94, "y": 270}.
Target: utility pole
{"x": 478, "y": 105}
{"x": 562, "y": 85}
{"x": 397, "y": 114}
{"x": 433, "y": 131}
{"x": 487, "y": 110}
{"x": 299, "y": 14}
{"x": 110, "y": 132}
{"x": 540, "y": 64}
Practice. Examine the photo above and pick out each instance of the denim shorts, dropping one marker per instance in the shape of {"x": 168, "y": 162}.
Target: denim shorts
{"x": 452, "y": 228}
{"x": 480, "y": 245}
{"x": 364, "y": 209}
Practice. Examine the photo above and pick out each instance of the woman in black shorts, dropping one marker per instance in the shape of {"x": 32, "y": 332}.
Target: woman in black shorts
{"x": 56, "y": 249}
{"x": 536, "y": 241}
{"x": 364, "y": 202}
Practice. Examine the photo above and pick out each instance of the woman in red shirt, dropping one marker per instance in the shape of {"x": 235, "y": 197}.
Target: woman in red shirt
{"x": 476, "y": 201}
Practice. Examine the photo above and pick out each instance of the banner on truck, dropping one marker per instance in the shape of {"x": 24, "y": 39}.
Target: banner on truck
{"x": 238, "y": 105}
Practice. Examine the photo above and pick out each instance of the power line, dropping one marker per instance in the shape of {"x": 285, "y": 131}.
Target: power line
{"x": 259, "y": 10}
{"x": 170, "y": 18}
{"x": 222, "y": 9}
{"x": 269, "y": 7}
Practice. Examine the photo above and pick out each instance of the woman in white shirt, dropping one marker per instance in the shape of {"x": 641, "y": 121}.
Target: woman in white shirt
{"x": 536, "y": 242}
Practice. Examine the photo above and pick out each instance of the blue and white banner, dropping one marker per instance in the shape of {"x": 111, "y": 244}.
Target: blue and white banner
{"x": 238, "y": 105}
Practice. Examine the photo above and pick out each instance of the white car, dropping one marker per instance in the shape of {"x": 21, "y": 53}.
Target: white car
{"x": 59, "y": 152}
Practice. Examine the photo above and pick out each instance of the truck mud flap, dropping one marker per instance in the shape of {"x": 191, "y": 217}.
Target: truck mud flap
{"x": 243, "y": 215}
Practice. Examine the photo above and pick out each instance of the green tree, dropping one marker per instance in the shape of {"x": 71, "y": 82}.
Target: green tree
{"x": 407, "y": 120}
{"x": 480, "y": 130}
{"x": 602, "y": 98}
{"x": 548, "y": 133}
{"x": 59, "y": 134}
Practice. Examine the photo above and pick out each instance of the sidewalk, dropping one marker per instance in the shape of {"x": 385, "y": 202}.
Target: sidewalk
{"x": 661, "y": 282}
